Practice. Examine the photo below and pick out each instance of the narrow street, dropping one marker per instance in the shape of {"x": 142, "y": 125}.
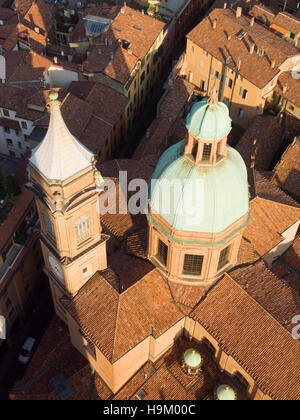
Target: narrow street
{"x": 10, "y": 369}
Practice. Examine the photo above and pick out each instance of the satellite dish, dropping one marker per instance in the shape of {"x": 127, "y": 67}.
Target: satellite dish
{"x": 2, "y": 67}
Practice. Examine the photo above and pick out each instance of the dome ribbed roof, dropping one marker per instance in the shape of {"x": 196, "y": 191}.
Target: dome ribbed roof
{"x": 60, "y": 155}
{"x": 225, "y": 393}
{"x": 210, "y": 198}
{"x": 209, "y": 120}
{"x": 192, "y": 358}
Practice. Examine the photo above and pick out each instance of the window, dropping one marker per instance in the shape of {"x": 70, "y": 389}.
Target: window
{"x": 192, "y": 48}
{"x": 148, "y": 68}
{"x": 48, "y": 225}
{"x": 192, "y": 264}
{"x": 5, "y": 112}
{"x": 84, "y": 270}
{"x": 226, "y": 101}
{"x": 218, "y": 76}
{"x": 143, "y": 63}
{"x": 206, "y": 152}
{"x": 24, "y": 124}
{"x": 203, "y": 85}
{"x": 83, "y": 228}
{"x": 241, "y": 112}
{"x": 9, "y": 142}
{"x": 243, "y": 93}
{"x": 229, "y": 83}
{"x": 143, "y": 77}
{"x": 20, "y": 145}
{"x": 291, "y": 108}
{"x": 212, "y": 71}
{"x": 224, "y": 257}
{"x": 162, "y": 252}
{"x": 206, "y": 53}
{"x": 195, "y": 149}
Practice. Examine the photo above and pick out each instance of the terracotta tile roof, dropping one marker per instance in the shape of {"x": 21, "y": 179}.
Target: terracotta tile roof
{"x": 120, "y": 225}
{"x": 8, "y": 122}
{"x": 265, "y": 188}
{"x": 262, "y": 13}
{"x": 290, "y": 277}
{"x": 40, "y": 14}
{"x": 11, "y": 34}
{"x": 188, "y": 296}
{"x": 7, "y": 14}
{"x": 140, "y": 30}
{"x": 266, "y": 350}
{"x": 106, "y": 316}
{"x": 247, "y": 253}
{"x": 155, "y": 140}
{"x": 292, "y": 88}
{"x": 269, "y": 291}
{"x": 260, "y": 142}
{"x": 287, "y": 171}
{"x": 126, "y": 270}
{"x": 108, "y": 104}
{"x": 121, "y": 66}
{"x": 292, "y": 256}
{"x": 254, "y": 68}
{"x": 173, "y": 102}
{"x": 136, "y": 243}
{"x": 98, "y": 112}
{"x": 16, "y": 215}
{"x": 287, "y": 21}
{"x": 30, "y": 66}
{"x": 165, "y": 379}
{"x": 268, "y": 221}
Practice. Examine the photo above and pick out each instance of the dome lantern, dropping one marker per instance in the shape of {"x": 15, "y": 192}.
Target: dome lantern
{"x": 208, "y": 125}
{"x": 192, "y": 362}
{"x": 225, "y": 393}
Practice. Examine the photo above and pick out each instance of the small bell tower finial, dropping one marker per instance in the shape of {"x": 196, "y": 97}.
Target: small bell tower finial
{"x": 213, "y": 96}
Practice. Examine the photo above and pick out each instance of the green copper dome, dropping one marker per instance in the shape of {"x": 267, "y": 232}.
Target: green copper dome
{"x": 192, "y": 358}
{"x": 225, "y": 393}
{"x": 209, "y": 120}
{"x": 202, "y": 199}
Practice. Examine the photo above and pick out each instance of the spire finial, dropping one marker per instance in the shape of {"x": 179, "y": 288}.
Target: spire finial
{"x": 53, "y": 98}
{"x": 213, "y": 96}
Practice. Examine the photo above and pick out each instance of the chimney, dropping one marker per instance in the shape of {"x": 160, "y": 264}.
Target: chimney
{"x": 239, "y": 62}
{"x": 284, "y": 89}
{"x": 238, "y": 12}
{"x": 214, "y": 24}
{"x": 55, "y": 60}
{"x": 272, "y": 64}
{"x": 225, "y": 5}
{"x": 252, "y": 21}
{"x": 228, "y": 37}
{"x": 251, "y": 49}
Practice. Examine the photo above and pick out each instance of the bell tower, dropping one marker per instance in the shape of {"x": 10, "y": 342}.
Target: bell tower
{"x": 66, "y": 184}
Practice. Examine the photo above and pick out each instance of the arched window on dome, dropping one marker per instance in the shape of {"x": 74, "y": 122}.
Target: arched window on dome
{"x": 162, "y": 252}
{"x": 206, "y": 155}
{"x": 192, "y": 265}
{"x": 224, "y": 257}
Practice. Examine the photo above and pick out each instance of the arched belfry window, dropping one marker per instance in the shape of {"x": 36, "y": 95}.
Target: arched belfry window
{"x": 49, "y": 230}
{"x": 83, "y": 228}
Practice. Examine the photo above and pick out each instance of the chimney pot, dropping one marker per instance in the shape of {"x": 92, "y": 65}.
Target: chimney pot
{"x": 225, "y": 5}
{"x": 251, "y": 50}
{"x": 272, "y": 64}
{"x": 252, "y": 21}
{"x": 238, "y": 12}
{"x": 214, "y": 24}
